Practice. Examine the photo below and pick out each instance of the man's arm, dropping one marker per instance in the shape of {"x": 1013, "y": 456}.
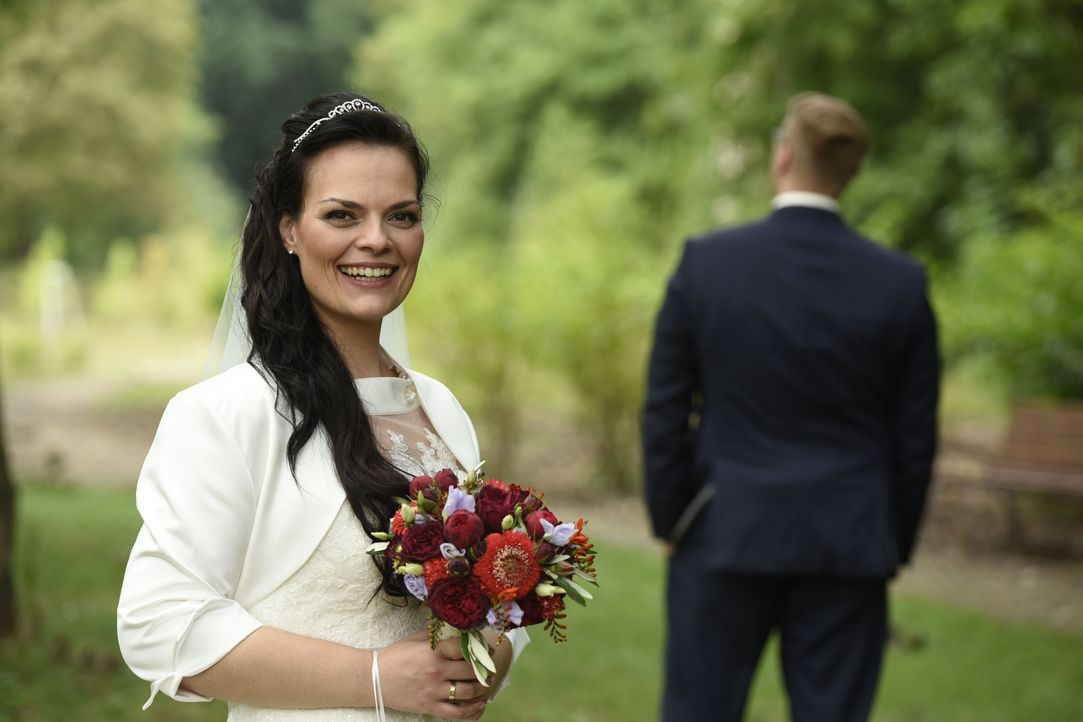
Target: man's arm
{"x": 672, "y": 382}
{"x": 915, "y": 427}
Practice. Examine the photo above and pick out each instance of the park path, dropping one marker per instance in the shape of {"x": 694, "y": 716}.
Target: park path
{"x": 73, "y": 432}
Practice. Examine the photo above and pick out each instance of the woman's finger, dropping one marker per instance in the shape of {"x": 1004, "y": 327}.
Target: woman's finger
{"x": 467, "y": 691}
{"x": 451, "y": 710}
{"x": 450, "y": 649}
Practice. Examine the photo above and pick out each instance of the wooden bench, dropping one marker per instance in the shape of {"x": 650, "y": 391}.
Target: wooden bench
{"x": 1042, "y": 453}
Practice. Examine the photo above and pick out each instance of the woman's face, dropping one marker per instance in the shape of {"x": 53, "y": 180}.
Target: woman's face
{"x": 358, "y": 236}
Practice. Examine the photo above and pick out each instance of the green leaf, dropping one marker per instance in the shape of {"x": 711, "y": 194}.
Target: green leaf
{"x": 572, "y": 590}
{"x": 481, "y": 650}
{"x": 589, "y": 577}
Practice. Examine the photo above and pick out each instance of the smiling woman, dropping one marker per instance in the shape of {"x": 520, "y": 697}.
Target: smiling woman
{"x": 264, "y": 485}
{"x": 358, "y": 238}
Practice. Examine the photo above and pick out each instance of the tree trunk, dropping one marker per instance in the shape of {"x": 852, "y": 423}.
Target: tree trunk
{"x": 7, "y": 540}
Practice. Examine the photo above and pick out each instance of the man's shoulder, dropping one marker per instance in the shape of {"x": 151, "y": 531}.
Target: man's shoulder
{"x": 893, "y": 259}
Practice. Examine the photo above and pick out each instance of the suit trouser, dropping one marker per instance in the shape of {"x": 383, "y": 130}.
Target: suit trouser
{"x": 832, "y": 634}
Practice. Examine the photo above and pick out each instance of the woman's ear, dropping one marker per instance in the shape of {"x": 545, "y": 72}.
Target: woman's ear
{"x": 285, "y": 229}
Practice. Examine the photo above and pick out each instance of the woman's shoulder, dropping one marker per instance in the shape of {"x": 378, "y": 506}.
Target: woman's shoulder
{"x": 238, "y": 392}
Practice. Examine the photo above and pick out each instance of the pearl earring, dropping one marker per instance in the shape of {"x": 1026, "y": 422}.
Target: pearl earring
{"x": 289, "y": 251}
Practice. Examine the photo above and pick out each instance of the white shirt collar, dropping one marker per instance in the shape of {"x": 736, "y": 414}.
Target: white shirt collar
{"x": 807, "y": 199}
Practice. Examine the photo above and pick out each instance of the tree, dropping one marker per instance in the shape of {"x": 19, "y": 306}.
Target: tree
{"x": 262, "y": 60}
{"x": 8, "y": 608}
{"x": 96, "y": 116}
{"x": 572, "y": 148}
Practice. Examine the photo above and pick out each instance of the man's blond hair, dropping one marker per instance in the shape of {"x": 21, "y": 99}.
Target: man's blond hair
{"x": 828, "y": 137}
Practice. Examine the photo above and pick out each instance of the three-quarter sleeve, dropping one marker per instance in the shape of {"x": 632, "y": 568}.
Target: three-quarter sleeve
{"x": 197, "y": 498}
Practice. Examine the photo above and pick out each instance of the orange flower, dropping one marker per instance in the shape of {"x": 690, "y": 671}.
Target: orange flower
{"x": 507, "y": 569}
{"x": 435, "y": 570}
{"x": 398, "y": 526}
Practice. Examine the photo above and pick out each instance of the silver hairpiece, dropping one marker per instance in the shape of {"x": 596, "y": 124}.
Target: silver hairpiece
{"x": 348, "y": 107}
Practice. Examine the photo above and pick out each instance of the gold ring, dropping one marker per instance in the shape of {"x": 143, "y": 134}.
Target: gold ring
{"x": 451, "y": 693}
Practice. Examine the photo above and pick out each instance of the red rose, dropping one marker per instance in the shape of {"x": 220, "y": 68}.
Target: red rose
{"x": 445, "y": 479}
{"x": 517, "y": 493}
{"x": 533, "y": 522}
{"x": 508, "y": 565}
{"x": 493, "y": 504}
{"x": 459, "y": 601}
{"x": 422, "y": 541}
{"x": 463, "y": 528}
{"x": 419, "y": 483}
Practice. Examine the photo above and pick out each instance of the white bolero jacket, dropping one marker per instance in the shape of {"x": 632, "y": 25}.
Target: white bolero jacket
{"x": 225, "y": 523}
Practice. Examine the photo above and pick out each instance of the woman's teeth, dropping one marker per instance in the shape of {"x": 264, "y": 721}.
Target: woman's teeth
{"x": 365, "y": 272}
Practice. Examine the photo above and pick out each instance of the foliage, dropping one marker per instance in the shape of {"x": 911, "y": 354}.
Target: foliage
{"x": 573, "y": 162}
{"x": 172, "y": 280}
{"x": 968, "y": 103}
{"x": 44, "y": 321}
{"x": 72, "y": 546}
{"x": 96, "y": 109}
{"x": 1018, "y": 299}
{"x": 262, "y": 60}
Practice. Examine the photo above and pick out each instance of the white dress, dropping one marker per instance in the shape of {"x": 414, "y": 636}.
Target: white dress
{"x": 332, "y": 595}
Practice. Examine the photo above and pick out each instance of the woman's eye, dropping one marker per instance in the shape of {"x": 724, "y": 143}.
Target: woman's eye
{"x": 404, "y": 219}
{"x": 339, "y": 215}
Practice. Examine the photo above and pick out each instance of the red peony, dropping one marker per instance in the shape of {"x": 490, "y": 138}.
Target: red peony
{"x": 508, "y": 565}
{"x": 445, "y": 479}
{"x": 493, "y": 504}
{"x": 422, "y": 541}
{"x": 459, "y": 601}
{"x": 517, "y": 494}
{"x": 463, "y": 528}
{"x": 419, "y": 483}
{"x": 533, "y": 522}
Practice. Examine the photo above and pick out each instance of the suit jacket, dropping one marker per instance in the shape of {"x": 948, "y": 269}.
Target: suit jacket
{"x": 806, "y": 358}
{"x": 225, "y": 524}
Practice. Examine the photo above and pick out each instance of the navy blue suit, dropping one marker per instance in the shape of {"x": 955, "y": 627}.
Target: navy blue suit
{"x": 795, "y": 376}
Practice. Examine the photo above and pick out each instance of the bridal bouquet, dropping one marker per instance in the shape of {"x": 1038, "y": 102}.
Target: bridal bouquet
{"x": 480, "y": 553}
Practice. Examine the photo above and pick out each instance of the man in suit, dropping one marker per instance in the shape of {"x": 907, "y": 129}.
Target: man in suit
{"x": 789, "y": 433}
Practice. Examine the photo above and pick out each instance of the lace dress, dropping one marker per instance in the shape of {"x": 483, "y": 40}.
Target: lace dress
{"x": 331, "y": 595}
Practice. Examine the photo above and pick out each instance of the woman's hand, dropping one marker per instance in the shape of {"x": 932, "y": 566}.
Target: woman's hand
{"x": 439, "y": 682}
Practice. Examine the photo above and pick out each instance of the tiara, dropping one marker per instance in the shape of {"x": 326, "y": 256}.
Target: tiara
{"x": 348, "y": 107}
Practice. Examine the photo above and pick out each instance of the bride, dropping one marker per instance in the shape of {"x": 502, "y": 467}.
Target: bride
{"x": 249, "y": 579}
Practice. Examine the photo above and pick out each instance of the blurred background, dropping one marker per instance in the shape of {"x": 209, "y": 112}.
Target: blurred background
{"x": 575, "y": 145}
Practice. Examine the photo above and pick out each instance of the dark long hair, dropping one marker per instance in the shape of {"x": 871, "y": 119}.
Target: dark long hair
{"x": 289, "y": 343}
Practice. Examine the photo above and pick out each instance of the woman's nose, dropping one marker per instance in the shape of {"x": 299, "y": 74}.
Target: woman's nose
{"x": 372, "y": 237}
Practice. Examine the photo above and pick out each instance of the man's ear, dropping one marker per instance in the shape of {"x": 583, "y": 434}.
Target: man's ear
{"x": 285, "y": 229}
{"x": 782, "y": 161}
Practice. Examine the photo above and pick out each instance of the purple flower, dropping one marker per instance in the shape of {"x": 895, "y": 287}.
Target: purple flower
{"x": 457, "y": 499}
{"x": 510, "y": 615}
{"x": 415, "y": 585}
{"x": 558, "y": 534}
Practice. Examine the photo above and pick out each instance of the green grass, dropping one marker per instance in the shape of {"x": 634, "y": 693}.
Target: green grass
{"x": 72, "y": 546}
